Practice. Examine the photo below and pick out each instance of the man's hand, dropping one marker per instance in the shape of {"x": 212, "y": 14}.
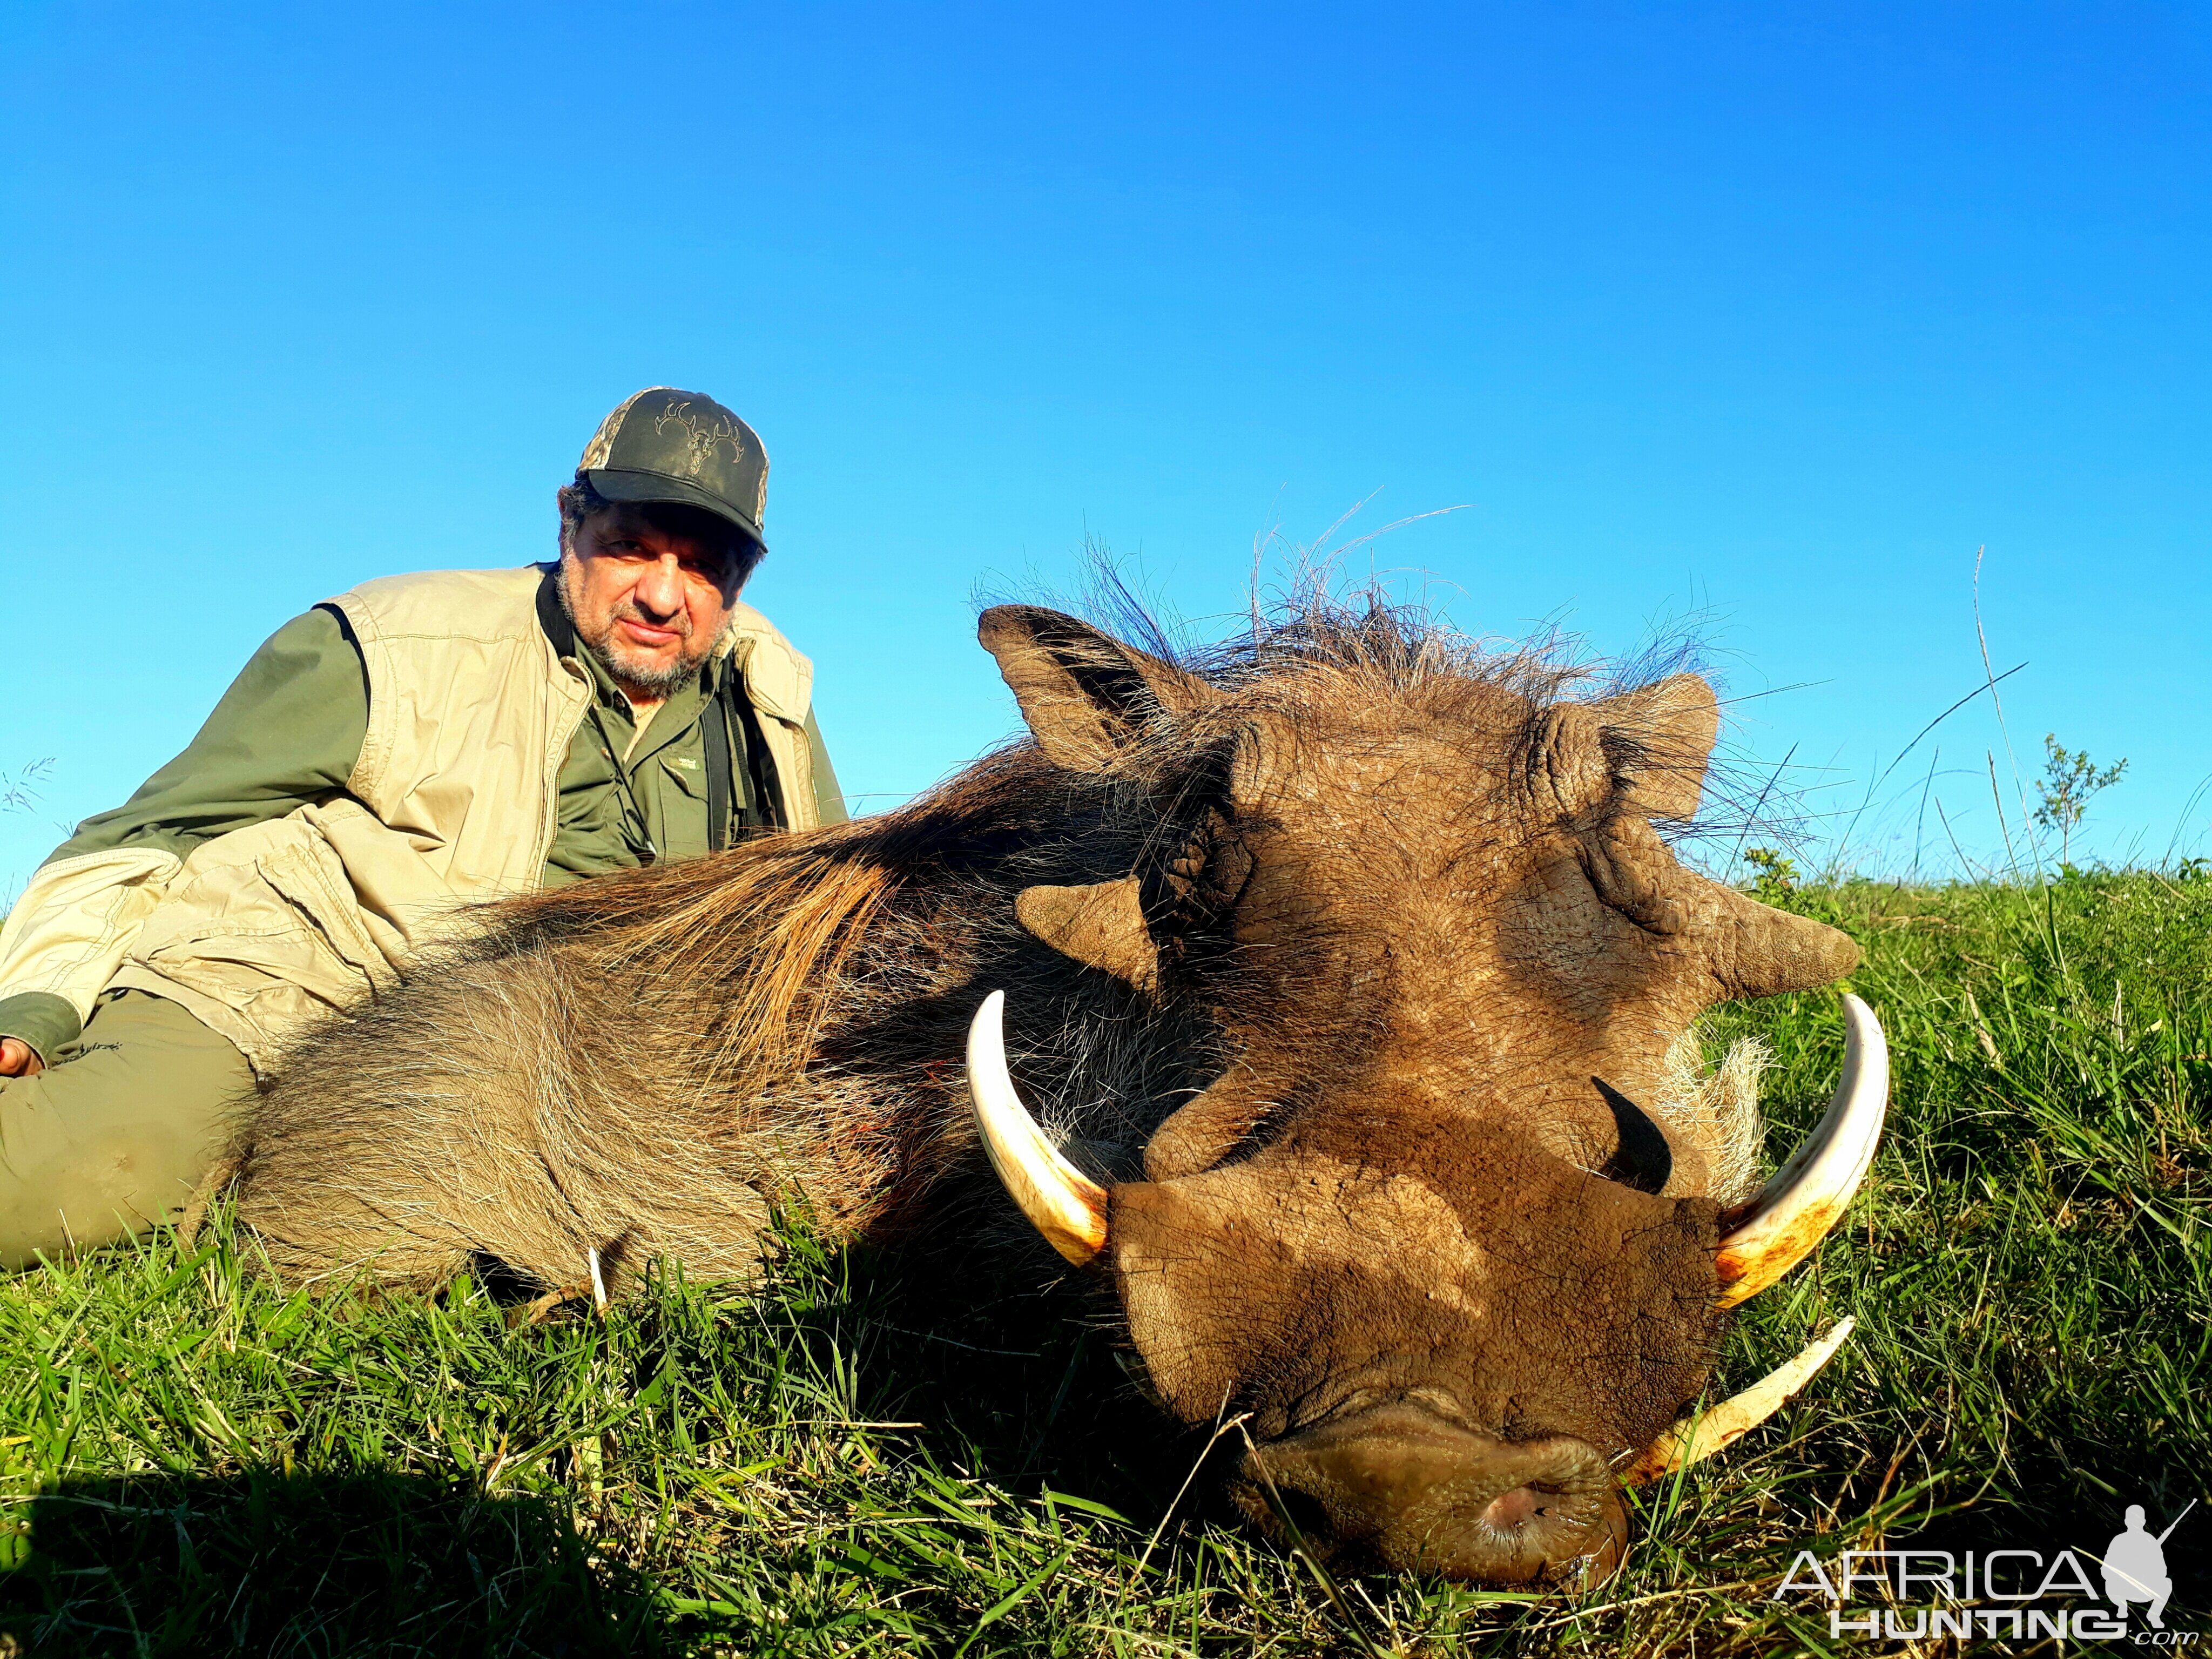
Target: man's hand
{"x": 19, "y": 1059}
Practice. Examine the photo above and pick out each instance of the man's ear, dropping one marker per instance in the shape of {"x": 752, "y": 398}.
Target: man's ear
{"x": 1656, "y": 742}
{"x": 1086, "y": 696}
{"x": 561, "y": 494}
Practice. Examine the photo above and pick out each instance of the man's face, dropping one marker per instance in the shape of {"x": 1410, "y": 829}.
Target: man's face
{"x": 649, "y": 602}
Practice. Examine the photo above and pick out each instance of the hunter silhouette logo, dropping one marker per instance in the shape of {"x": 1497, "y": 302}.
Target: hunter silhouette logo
{"x": 2134, "y": 1566}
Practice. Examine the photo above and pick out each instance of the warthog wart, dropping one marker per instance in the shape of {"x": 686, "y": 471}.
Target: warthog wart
{"x": 1337, "y": 960}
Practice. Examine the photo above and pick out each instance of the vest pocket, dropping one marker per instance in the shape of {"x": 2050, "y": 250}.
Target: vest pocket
{"x": 262, "y": 924}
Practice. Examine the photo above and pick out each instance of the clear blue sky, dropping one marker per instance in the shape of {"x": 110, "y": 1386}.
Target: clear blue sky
{"x": 1767, "y": 315}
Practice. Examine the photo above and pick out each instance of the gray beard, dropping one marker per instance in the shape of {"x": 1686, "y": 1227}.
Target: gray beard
{"x": 660, "y": 683}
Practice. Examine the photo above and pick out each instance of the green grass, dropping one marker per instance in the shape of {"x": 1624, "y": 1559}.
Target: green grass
{"x": 932, "y": 1455}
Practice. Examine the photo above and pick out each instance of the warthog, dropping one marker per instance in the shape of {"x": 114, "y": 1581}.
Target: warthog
{"x": 1336, "y": 960}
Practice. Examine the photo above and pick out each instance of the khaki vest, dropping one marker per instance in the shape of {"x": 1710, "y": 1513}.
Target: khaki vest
{"x": 452, "y": 803}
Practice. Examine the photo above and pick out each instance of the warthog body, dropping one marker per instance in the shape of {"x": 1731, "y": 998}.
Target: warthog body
{"x": 1313, "y": 948}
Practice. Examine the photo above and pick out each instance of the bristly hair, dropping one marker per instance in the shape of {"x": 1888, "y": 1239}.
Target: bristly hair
{"x": 1315, "y": 621}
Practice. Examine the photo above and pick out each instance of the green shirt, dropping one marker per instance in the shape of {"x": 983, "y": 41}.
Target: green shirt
{"x": 289, "y": 730}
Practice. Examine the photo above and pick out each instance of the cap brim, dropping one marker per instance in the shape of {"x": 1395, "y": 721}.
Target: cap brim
{"x": 619, "y": 484}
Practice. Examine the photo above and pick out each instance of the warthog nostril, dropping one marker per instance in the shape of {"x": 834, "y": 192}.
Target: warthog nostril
{"x": 1402, "y": 1486}
{"x": 1513, "y": 1508}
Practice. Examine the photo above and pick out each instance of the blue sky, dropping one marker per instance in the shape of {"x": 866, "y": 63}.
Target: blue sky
{"x": 1760, "y": 318}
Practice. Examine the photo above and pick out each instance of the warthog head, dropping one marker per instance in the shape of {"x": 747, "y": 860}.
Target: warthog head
{"x": 1415, "y": 1237}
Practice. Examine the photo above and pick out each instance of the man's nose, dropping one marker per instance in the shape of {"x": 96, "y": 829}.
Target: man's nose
{"x": 660, "y": 587}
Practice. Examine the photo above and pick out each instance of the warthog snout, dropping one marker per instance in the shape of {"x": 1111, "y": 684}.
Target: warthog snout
{"x": 1398, "y": 1486}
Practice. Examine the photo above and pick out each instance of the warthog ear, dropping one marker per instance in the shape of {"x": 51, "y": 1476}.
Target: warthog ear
{"x": 1656, "y": 742}
{"x": 1102, "y": 926}
{"x": 1087, "y": 697}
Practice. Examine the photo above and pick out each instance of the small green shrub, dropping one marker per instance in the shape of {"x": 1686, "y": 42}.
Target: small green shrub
{"x": 2069, "y": 780}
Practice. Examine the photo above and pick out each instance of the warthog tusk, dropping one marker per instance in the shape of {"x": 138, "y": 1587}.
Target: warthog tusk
{"x": 1794, "y": 1212}
{"x": 1736, "y": 1416}
{"x": 1063, "y": 1204}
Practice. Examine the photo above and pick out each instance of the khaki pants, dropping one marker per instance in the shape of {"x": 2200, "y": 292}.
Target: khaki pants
{"x": 115, "y": 1134}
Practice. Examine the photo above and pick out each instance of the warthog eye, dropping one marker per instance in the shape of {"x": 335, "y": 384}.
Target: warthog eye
{"x": 1641, "y": 1158}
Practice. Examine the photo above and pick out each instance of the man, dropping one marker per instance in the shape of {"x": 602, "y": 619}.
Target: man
{"x": 418, "y": 745}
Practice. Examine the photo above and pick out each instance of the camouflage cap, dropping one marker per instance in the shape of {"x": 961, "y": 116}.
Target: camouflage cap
{"x": 663, "y": 445}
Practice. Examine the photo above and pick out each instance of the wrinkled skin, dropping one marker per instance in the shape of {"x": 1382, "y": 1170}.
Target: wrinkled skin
{"x": 1314, "y": 955}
